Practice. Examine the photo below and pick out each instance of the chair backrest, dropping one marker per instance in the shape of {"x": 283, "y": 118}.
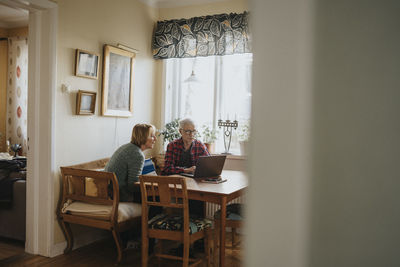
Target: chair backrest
{"x": 164, "y": 191}
{"x": 92, "y": 165}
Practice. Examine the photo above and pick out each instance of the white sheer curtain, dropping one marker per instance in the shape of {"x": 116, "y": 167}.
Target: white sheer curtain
{"x": 223, "y": 91}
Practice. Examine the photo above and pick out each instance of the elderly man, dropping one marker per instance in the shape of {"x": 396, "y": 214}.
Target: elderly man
{"x": 183, "y": 153}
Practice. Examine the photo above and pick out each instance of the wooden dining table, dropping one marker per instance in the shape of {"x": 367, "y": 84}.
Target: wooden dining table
{"x": 221, "y": 194}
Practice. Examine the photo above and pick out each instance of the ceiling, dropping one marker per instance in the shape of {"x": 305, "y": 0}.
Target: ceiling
{"x": 13, "y": 17}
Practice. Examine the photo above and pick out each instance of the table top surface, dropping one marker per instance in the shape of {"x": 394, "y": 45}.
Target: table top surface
{"x": 236, "y": 180}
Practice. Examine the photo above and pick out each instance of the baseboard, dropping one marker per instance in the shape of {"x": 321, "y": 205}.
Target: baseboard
{"x": 58, "y": 249}
{"x": 80, "y": 241}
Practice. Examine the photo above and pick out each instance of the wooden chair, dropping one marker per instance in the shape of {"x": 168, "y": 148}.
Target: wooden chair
{"x": 91, "y": 198}
{"x": 171, "y": 192}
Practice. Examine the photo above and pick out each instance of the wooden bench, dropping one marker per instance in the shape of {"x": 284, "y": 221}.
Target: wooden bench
{"x": 91, "y": 198}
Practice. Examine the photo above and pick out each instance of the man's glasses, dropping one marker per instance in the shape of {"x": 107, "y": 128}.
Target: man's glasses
{"x": 194, "y": 132}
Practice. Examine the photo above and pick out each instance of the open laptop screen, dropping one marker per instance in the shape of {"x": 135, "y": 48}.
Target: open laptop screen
{"x": 208, "y": 167}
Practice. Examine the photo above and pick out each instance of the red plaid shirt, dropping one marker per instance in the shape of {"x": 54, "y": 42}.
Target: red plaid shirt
{"x": 174, "y": 153}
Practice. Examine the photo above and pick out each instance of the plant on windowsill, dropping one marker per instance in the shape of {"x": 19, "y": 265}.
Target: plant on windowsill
{"x": 243, "y": 135}
{"x": 209, "y": 136}
{"x": 170, "y": 132}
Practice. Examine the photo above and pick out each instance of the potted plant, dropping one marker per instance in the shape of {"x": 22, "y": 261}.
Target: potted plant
{"x": 170, "y": 131}
{"x": 209, "y": 136}
{"x": 243, "y": 136}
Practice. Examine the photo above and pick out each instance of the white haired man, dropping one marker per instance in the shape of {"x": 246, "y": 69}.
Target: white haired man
{"x": 183, "y": 153}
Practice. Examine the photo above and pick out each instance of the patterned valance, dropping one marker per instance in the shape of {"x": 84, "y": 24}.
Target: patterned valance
{"x": 223, "y": 34}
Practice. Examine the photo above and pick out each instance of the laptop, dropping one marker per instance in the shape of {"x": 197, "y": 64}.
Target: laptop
{"x": 208, "y": 167}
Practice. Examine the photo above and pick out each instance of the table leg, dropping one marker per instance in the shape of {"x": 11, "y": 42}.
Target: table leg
{"x": 222, "y": 232}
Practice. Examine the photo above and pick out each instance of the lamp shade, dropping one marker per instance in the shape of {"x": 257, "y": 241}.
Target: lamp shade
{"x": 192, "y": 78}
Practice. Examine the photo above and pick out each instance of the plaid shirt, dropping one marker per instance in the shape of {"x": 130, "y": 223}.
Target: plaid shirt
{"x": 174, "y": 153}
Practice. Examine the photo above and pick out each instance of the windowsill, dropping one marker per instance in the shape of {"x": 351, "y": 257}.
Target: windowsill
{"x": 228, "y": 156}
{"x": 233, "y": 156}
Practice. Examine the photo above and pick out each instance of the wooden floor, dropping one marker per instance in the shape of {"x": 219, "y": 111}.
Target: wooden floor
{"x": 102, "y": 253}
{"x": 10, "y": 248}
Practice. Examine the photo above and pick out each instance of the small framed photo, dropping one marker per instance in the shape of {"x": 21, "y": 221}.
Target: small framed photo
{"x": 86, "y": 64}
{"x": 85, "y": 103}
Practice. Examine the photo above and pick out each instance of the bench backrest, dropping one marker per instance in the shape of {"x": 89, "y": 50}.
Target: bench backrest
{"x": 94, "y": 187}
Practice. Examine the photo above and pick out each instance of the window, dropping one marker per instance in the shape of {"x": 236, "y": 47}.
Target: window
{"x": 222, "y": 91}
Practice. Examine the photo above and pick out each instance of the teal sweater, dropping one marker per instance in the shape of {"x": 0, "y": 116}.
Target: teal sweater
{"x": 127, "y": 164}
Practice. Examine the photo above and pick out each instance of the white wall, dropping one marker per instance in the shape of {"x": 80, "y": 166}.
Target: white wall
{"x": 279, "y": 145}
{"x": 229, "y": 6}
{"x": 88, "y": 25}
{"x": 325, "y": 150}
{"x": 356, "y": 183}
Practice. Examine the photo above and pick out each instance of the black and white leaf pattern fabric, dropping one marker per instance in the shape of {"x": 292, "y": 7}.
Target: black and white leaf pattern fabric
{"x": 223, "y": 34}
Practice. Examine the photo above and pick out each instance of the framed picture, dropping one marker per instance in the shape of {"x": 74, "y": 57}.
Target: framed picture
{"x": 86, "y": 64}
{"x": 117, "y": 93}
{"x": 85, "y": 103}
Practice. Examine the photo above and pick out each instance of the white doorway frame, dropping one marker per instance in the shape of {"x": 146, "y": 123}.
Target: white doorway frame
{"x": 40, "y": 209}
{"x": 42, "y": 53}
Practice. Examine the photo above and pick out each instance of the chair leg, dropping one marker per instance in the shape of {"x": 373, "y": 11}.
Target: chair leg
{"x": 186, "y": 247}
{"x": 145, "y": 250}
{"x": 68, "y": 235}
{"x": 233, "y": 230}
{"x": 159, "y": 251}
{"x": 207, "y": 246}
{"x": 118, "y": 243}
{"x": 216, "y": 238}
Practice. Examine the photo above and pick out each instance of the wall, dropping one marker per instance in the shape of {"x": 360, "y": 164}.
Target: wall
{"x": 278, "y": 166}
{"x": 89, "y": 25}
{"x": 20, "y": 31}
{"x": 324, "y": 146}
{"x": 233, "y": 6}
{"x": 3, "y": 32}
{"x": 13, "y": 32}
{"x": 356, "y": 184}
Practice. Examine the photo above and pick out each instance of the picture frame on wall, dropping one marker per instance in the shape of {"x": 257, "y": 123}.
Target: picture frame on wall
{"x": 85, "y": 103}
{"x": 86, "y": 64}
{"x": 117, "y": 91}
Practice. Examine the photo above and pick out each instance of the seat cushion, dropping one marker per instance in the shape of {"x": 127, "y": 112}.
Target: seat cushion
{"x": 233, "y": 212}
{"x": 175, "y": 223}
{"x": 126, "y": 210}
